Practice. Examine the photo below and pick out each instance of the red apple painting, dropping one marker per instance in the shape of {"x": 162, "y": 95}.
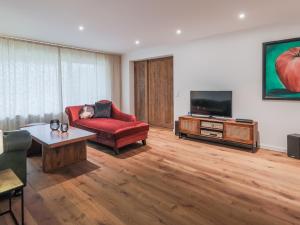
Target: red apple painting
{"x": 288, "y": 69}
{"x": 281, "y": 70}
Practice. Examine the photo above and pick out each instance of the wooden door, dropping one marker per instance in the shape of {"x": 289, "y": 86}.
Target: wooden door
{"x": 141, "y": 90}
{"x": 160, "y": 92}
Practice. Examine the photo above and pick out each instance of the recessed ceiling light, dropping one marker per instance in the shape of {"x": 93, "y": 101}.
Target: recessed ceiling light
{"x": 81, "y": 28}
{"x": 178, "y": 32}
{"x": 242, "y": 16}
{"x": 137, "y": 42}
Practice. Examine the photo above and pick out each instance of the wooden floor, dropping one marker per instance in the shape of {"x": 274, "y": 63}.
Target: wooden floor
{"x": 170, "y": 181}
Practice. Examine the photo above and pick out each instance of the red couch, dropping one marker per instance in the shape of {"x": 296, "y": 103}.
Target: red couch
{"x": 118, "y": 131}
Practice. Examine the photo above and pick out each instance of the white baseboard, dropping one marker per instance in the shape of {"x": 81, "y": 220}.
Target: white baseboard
{"x": 273, "y": 148}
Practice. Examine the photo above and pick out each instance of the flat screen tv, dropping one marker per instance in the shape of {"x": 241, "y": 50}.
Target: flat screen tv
{"x": 211, "y": 103}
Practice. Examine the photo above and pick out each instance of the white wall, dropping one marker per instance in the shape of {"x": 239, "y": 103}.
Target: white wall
{"x": 225, "y": 62}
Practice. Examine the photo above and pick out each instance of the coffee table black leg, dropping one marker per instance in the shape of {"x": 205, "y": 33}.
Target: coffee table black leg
{"x": 10, "y": 211}
{"x": 22, "y": 207}
{"x": 10, "y": 201}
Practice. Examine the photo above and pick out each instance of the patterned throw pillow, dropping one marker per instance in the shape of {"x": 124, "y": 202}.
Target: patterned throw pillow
{"x": 102, "y": 110}
{"x": 87, "y": 112}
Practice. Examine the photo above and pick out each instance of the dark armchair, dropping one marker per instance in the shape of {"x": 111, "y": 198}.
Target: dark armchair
{"x": 16, "y": 144}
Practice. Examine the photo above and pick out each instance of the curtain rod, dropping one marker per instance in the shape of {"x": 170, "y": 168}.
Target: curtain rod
{"x": 55, "y": 44}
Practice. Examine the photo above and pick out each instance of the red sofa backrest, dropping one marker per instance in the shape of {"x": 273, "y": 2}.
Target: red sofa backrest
{"x": 116, "y": 113}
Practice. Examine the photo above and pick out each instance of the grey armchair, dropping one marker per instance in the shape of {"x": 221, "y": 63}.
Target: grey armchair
{"x": 16, "y": 144}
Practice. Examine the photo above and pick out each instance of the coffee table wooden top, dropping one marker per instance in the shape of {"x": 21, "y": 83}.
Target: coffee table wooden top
{"x": 9, "y": 181}
{"x": 52, "y": 139}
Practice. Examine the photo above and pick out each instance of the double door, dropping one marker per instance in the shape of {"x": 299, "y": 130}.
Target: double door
{"x": 153, "y": 84}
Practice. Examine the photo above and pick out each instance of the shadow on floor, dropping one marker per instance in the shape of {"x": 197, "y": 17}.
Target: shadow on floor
{"x": 77, "y": 169}
{"x": 220, "y": 144}
{"x": 126, "y": 152}
{"x": 38, "y": 180}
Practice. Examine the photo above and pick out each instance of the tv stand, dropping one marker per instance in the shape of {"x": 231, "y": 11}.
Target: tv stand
{"x": 209, "y": 117}
{"x": 226, "y": 131}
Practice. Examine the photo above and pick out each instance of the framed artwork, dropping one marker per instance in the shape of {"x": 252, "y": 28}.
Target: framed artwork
{"x": 281, "y": 70}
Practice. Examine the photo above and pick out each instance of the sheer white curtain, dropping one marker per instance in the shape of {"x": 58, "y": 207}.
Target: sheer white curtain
{"x": 88, "y": 77}
{"x": 38, "y": 81}
{"x": 29, "y": 83}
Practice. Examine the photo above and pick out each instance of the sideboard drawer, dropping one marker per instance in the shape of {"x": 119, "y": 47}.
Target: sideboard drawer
{"x": 189, "y": 126}
{"x": 238, "y": 133}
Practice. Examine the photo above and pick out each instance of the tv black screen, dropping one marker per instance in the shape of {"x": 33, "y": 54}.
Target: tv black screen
{"x": 211, "y": 103}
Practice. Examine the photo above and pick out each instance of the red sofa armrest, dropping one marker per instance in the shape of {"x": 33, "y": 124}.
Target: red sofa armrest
{"x": 73, "y": 113}
{"x": 123, "y": 116}
{"x": 118, "y": 114}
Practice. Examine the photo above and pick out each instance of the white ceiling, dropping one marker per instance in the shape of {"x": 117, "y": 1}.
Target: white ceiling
{"x": 114, "y": 25}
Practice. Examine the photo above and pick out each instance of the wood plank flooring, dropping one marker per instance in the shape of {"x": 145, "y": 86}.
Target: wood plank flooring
{"x": 169, "y": 181}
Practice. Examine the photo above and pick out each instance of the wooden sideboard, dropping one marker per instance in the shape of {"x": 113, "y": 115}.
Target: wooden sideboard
{"x": 220, "y": 130}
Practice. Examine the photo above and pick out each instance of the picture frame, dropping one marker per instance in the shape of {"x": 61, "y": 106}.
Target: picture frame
{"x": 281, "y": 79}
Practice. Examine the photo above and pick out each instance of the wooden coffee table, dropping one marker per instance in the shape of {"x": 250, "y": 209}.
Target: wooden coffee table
{"x": 60, "y": 149}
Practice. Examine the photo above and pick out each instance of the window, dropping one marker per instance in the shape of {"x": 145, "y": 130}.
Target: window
{"x": 38, "y": 81}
